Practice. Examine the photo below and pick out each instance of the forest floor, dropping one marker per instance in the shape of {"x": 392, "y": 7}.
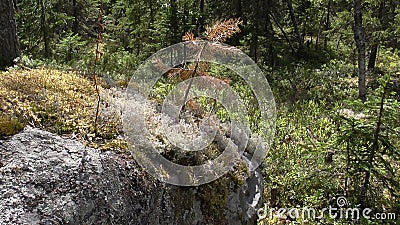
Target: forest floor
{"x": 311, "y": 124}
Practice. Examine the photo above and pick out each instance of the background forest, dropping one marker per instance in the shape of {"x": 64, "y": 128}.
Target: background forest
{"x": 333, "y": 66}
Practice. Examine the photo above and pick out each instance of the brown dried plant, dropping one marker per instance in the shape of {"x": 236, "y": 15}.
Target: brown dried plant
{"x": 188, "y": 37}
{"x": 221, "y": 31}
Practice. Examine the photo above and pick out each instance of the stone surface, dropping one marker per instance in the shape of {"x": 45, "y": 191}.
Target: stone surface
{"x": 47, "y": 179}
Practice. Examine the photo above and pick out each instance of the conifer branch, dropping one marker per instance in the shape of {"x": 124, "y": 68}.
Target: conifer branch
{"x": 221, "y": 31}
{"x": 188, "y": 37}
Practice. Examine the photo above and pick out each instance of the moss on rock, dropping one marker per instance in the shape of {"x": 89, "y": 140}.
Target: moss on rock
{"x": 9, "y": 126}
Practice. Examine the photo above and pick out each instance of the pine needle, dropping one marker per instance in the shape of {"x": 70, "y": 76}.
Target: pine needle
{"x": 221, "y": 31}
{"x": 188, "y": 37}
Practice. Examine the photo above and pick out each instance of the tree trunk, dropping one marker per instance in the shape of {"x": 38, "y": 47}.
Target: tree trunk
{"x": 43, "y": 27}
{"x": 152, "y": 11}
{"x": 238, "y": 8}
{"x": 255, "y": 32}
{"x": 185, "y": 17}
{"x": 295, "y": 25}
{"x": 372, "y": 56}
{"x": 269, "y": 33}
{"x": 327, "y": 23}
{"x": 283, "y": 31}
{"x": 254, "y": 46}
{"x": 15, "y": 5}
{"x": 319, "y": 33}
{"x": 174, "y": 22}
{"x": 200, "y": 23}
{"x": 360, "y": 43}
{"x": 9, "y": 45}
{"x": 75, "y": 24}
{"x": 375, "y": 46}
{"x": 235, "y": 40}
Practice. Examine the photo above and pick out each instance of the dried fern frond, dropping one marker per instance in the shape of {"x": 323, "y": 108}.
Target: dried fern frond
{"x": 188, "y": 37}
{"x": 221, "y": 31}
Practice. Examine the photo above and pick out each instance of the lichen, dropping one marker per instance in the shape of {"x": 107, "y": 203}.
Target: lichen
{"x": 59, "y": 102}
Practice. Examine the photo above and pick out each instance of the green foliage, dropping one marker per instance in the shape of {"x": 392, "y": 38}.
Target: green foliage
{"x": 326, "y": 85}
{"x": 55, "y": 30}
{"x": 372, "y": 145}
{"x": 118, "y": 64}
{"x": 389, "y": 61}
{"x": 315, "y": 87}
{"x": 295, "y": 165}
{"x": 307, "y": 129}
{"x": 70, "y": 47}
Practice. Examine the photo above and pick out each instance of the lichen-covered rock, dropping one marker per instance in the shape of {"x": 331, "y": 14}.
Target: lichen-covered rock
{"x": 47, "y": 179}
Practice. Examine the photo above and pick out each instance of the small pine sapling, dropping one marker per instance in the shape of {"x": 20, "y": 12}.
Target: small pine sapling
{"x": 220, "y": 31}
{"x": 98, "y": 55}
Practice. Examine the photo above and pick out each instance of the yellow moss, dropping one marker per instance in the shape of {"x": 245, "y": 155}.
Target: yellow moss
{"x": 9, "y": 126}
{"x": 122, "y": 83}
{"x": 60, "y": 102}
{"x": 119, "y": 144}
{"x": 239, "y": 174}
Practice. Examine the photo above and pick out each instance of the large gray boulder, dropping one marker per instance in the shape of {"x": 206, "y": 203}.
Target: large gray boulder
{"x": 48, "y": 179}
